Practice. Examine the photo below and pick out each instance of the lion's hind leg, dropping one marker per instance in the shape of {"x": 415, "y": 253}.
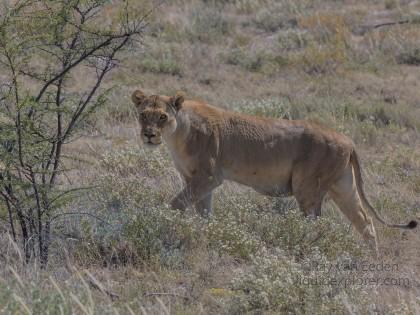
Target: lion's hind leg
{"x": 308, "y": 193}
{"x": 345, "y": 195}
{"x": 310, "y": 205}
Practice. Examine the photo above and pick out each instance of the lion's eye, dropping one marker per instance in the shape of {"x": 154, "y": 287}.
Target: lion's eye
{"x": 143, "y": 116}
{"x": 163, "y": 117}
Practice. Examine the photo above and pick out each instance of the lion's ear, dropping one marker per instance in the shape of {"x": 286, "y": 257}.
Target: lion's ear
{"x": 138, "y": 97}
{"x": 177, "y": 100}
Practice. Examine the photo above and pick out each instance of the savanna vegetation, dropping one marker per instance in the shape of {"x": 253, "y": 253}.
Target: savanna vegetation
{"x": 85, "y": 225}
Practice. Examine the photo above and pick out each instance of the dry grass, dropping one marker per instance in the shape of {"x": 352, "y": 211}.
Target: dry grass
{"x": 302, "y": 59}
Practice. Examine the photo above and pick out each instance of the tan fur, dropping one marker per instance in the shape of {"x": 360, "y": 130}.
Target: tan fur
{"x": 276, "y": 157}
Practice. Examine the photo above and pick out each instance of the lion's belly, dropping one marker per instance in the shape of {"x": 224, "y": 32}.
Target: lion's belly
{"x": 272, "y": 179}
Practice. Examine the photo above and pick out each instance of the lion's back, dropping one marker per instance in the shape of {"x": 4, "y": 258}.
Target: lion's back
{"x": 258, "y": 136}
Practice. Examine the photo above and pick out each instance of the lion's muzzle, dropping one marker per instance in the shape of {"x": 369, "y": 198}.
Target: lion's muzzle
{"x": 151, "y": 137}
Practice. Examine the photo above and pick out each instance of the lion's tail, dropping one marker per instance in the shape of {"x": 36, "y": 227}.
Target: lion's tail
{"x": 354, "y": 160}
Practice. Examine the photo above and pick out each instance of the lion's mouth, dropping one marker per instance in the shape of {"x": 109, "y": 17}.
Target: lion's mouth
{"x": 154, "y": 141}
{"x": 150, "y": 143}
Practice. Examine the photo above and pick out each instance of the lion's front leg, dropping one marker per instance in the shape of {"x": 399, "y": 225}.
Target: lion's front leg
{"x": 204, "y": 206}
{"x": 197, "y": 191}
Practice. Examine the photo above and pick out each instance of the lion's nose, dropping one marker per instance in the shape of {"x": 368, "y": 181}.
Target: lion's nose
{"x": 149, "y": 134}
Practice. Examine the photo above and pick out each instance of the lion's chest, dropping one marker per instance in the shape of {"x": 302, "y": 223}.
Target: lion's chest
{"x": 184, "y": 163}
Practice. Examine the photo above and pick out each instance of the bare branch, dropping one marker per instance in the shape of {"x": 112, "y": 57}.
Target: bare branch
{"x": 80, "y": 214}
{"x": 84, "y": 56}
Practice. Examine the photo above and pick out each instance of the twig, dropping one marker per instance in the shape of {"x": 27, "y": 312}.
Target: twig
{"x": 149, "y": 294}
{"x": 80, "y": 213}
{"x": 364, "y": 28}
{"x": 95, "y": 284}
{"x": 391, "y": 23}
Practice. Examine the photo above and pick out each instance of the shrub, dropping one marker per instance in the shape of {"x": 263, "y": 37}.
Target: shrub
{"x": 247, "y": 223}
{"x": 130, "y": 197}
{"x": 298, "y": 235}
{"x": 250, "y": 62}
{"x": 293, "y": 40}
{"x": 274, "y": 108}
{"x": 278, "y": 284}
{"x": 409, "y": 57}
{"x": 48, "y": 48}
{"x": 162, "y": 235}
{"x": 227, "y": 234}
{"x": 318, "y": 59}
{"x": 133, "y": 176}
{"x": 207, "y": 24}
{"x": 396, "y": 44}
{"x": 163, "y": 62}
{"x": 269, "y": 20}
{"x": 325, "y": 27}
{"x": 258, "y": 61}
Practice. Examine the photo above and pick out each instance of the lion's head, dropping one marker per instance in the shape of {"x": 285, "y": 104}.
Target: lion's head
{"x": 156, "y": 115}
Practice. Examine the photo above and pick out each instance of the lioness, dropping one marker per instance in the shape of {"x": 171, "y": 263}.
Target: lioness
{"x": 275, "y": 157}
